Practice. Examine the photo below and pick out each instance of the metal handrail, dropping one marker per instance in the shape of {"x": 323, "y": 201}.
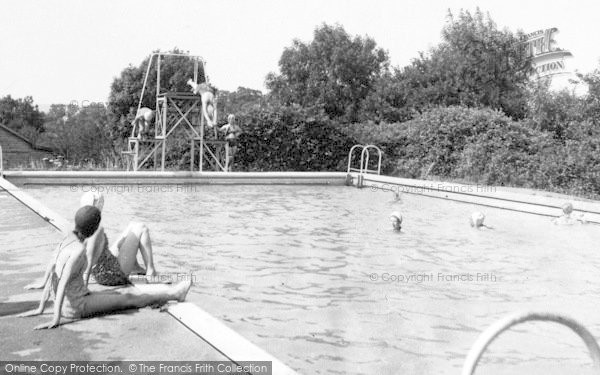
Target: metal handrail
{"x": 364, "y": 162}
{"x": 368, "y": 153}
{"x": 486, "y": 338}
{"x": 350, "y": 160}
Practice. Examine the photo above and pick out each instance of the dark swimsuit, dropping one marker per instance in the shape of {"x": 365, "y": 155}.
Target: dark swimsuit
{"x": 107, "y": 270}
{"x": 232, "y": 141}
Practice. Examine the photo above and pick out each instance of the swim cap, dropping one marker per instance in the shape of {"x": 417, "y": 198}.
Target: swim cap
{"x": 87, "y": 220}
{"x": 396, "y": 216}
{"x": 92, "y": 199}
{"x": 567, "y": 208}
{"x": 477, "y": 219}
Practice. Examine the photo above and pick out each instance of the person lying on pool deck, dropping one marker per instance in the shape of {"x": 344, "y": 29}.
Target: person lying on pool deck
{"x": 73, "y": 300}
{"x": 112, "y": 266}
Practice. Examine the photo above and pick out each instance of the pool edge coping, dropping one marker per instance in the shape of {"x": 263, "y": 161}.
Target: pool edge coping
{"x": 537, "y": 202}
{"x": 531, "y": 203}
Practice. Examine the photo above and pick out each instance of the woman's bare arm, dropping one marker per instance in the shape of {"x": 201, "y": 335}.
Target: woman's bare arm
{"x": 93, "y": 248}
{"x": 44, "y": 281}
{"x": 43, "y": 301}
{"x": 60, "y": 290}
{"x": 49, "y": 270}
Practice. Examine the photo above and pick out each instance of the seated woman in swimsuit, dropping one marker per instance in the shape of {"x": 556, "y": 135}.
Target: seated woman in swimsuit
{"x": 232, "y": 132}
{"x": 111, "y": 266}
{"x": 72, "y": 298}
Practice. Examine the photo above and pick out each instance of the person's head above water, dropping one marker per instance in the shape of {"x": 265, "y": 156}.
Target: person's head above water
{"x": 92, "y": 199}
{"x": 230, "y": 118}
{"x": 396, "y": 220}
{"x": 87, "y": 220}
{"x": 477, "y": 219}
{"x": 567, "y": 208}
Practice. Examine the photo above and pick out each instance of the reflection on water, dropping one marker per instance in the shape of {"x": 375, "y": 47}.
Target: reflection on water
{"x": 316, "y": 276}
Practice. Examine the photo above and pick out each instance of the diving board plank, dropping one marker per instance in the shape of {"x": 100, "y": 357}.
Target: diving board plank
{"x": 33, "y": 204}
{"x": 230, "y": 343}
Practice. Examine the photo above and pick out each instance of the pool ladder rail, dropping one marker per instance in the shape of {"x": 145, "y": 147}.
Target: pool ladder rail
{"x": 486, "y": 338}
{"x": 365, "y": 157}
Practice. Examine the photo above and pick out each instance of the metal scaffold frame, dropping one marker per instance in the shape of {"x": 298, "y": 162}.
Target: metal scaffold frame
{"x": 174, "y": 110}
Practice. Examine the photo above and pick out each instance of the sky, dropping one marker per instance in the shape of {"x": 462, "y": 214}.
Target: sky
{"x": 70, "y": 51}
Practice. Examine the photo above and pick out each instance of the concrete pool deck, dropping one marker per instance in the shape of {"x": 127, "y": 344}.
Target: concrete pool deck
{"x": 26, "y": 243}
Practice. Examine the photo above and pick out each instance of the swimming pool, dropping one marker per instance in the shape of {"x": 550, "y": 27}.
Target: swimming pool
{"x": 315, "y": 275}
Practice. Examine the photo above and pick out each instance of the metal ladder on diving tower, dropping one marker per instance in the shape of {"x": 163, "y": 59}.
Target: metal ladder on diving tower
{"x": 363, "y": 168}
{"x": 176, "y": 111}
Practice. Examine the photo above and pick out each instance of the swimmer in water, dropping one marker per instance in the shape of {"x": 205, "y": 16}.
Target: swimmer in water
{"x": 476, "y": 220}
{"x": 396, "y": 220}
{"x": 73, "y": 300}
{"x": 567, "y": 218}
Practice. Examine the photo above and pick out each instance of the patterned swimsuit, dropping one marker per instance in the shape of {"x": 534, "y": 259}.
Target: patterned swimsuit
{"x": 107, "y": 270}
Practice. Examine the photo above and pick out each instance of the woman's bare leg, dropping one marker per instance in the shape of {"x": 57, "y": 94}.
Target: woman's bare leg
{"x": 135, "y": 297}
{"x": 136, "y": 237}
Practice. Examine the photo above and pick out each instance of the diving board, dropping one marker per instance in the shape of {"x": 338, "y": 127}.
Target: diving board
{"x": 228, "y": 342}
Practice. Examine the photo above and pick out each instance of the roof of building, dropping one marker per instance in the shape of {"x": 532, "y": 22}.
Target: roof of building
{"x": 25, "y": 139}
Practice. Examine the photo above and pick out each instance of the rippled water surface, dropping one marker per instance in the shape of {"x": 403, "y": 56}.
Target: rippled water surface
{"x": 306, "y": 273}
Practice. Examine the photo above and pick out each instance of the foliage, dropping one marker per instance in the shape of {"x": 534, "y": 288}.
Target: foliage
{"x": 475, "y": 65}
{"x": 290, "y": 140}
{"x": 331, "y": 74}
{"x": 78, "y": 134}
{"x": 485, "y": 146}
{"x": 553, "y": 111}
{"x": 22, "y": 116}
{"x": 126, "y": 89}
{"x": 240, "y": 101}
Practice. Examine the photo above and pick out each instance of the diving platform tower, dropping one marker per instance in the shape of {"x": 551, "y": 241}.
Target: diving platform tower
{"x": 177, "y": 114}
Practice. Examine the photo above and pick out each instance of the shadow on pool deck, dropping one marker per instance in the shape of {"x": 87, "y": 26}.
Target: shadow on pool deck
{"x": 26, "y": 244}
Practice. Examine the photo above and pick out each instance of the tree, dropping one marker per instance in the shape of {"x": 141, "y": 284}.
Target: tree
{"x": 475, "y": 65}
{"x": 126, "y": 89}
{"x": 243, "y": 100}
{"x": 333, "y": 73}
{"x": 592, "y": 99}
{"x": 78, "y": 133}
{"x": 553, "y": 111}
{"x": 22, "y": 115}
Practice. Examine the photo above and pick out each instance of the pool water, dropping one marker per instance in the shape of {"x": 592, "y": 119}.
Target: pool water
{"x": 316, "y": 276}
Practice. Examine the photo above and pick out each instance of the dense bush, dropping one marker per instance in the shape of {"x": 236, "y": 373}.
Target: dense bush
{"x": 289, "y": 140}
{"x": 486, "y": 147}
